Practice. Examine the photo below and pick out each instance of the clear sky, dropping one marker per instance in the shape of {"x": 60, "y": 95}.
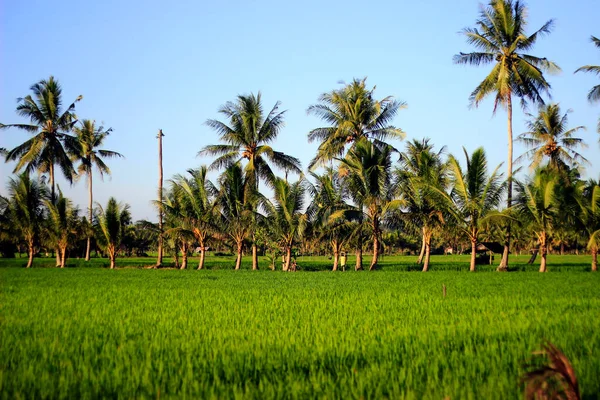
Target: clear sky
{"x": 145, "y": 65}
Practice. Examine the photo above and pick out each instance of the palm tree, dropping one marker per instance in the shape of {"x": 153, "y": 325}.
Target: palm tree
{"x": 26, "y": 209}
{"x": 51, "y": 126}
{"x": 247, "y": 135}
{"x": 500, "y": 38}
{"x": 326, "y": 211}
{"x": 111, "y": 226}
{"x": 64, "y": 224}
{"x": 594, "y": 94}
{"x": 549, "y": 137}
{"x": 366, "y": 172}
{"x": 352, "y": 114}
{"x": 87, "y": 152}
{"x": 537, "y": 206}
{"x": 196, "y": 195}
{"x": 476, "y": 194}
{"x": 236, "y": 202}
{"x": 179, "y": 226}
{"x": 591, "y": 218}
{"x": 286, "y": 216}
{"x": 421, "y": 177}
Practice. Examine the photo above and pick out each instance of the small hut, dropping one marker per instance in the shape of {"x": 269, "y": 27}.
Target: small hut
{"x": 485, "y": 252}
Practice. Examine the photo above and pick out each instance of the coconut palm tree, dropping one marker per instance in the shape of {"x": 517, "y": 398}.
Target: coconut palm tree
{"x": 367, "y": 173}
{"x": 50, "y": 125}
{"x": 421, "y": 177}
{"x": 500, "y": 39}
{"x": 87, "y": 153}
{"x": 536, "y": 205}
{"x": 110, "y": 227}
{"x": 236, "y": 200}
{"x": 64, "y": 224}
{"x": 352, "y": 113}
{"x": 286, "y": 215}
{"x": 178, "y": 225}
{"x": 591, "y": 218}
{"x": 476, "y": 194}
{"x": 549, "y": 137}
{"x": 196, "y": 195}
{"x": 247, "y": 135}
{"x": 26, "y": 210}
{"x": 594, "y": 94}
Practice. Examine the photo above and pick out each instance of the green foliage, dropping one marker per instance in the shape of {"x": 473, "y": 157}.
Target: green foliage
{"x": 266, "y": 335}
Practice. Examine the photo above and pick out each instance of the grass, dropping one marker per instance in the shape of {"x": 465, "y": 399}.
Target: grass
{"x": 134, "y": 333}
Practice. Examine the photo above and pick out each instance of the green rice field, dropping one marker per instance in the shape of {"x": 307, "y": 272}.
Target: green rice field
{"x": 91, "y": 332}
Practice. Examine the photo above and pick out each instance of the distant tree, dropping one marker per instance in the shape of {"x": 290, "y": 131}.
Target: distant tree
{"x": 247, "y": 135}
{"x": 537, "y": 206}
{"x": 110, "y": 227}
{"x": 591, "y": 218}
{"x": 500, "y": 38}
{"x": 594, "y": 94}
{"x": 64, "y": 225}
{"x": 550, "y": 138}
{"x": 51, "y": 126}
{"x": 26, "y": 204}
{"x": 476, "y": 194}
{"x": 352, "y": 114}
{"x": 87, "y": 153}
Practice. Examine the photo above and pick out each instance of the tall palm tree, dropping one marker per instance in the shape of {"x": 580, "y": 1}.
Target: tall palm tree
{"x": 64, "y": 224}
{"x": 366, "y": 171}
{"x": 476, "y": 194}
{"x": 537, "y": 206}
{"x": 247, "y": 135}
{"x": 26, "y": 209}
{"x": 500, "y": 38}
{"x": 178, "y": 225}
{"x": 87, "y": 153}
{"x": 352, "y": 114}
{"x": 286, "y": 214}
{"x": 236, "y": 202}
{"x": 421, "y": 177}
{"x": 549, "y": 137}
{"x": 594, "y": 94}
{"x": 197, "y": 194}
{"x": 50, "y": 125}
{"x": 110, "y": 226}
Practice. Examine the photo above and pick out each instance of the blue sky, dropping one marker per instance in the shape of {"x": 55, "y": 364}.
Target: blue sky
{"x": 147, "y": 65}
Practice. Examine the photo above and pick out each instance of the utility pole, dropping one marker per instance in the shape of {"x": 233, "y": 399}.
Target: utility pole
{"x": 160, "y": 199}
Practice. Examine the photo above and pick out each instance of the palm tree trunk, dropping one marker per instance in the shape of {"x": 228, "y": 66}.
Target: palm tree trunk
{"x": 473, "y": 254}
{"x": 30, "y": 254}
{"x": 112, "y": 252}
{"x": 422, "y": 253}
{"x": 238, "y": 261}
{"x": 504, "y": 262}
{"x": 63, "y": 252}
{"x": 427, "y": 251}
{"x": 543, "y": 250}
{"x": 562, "y": 248}
{"x": 202, "y": 255}
{"x": 359, "y": 256}
{"x": 184, "y": 256}
{"x": 288, "y": 258}
{"x": 160, "y": 198}
{"x": 89, "y": 239}
{"x": 336, "y": 254}
{"x": 254, "y": 255}
{"x": 594, "y": 259}
{"x": 375, "y": 258}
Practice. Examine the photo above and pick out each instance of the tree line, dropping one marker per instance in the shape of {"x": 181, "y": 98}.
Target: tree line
{"x": 360, "y": 193}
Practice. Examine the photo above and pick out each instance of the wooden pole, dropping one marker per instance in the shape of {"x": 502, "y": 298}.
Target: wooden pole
{"x": 160, "y": 198}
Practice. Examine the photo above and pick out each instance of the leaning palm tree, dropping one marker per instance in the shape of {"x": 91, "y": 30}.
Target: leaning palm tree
{"x": 236, "y": 203}
{"x": 286, "y": 215}
{"x": 51, "y": 125}
{"x": 476, "y": 194}
{"x": 550, "y": 138}
{"x": 64, "y": 224}
{"x": 594, "y": 94}
{"x": 421, "y": 177}
{"x": 366, "y": 172}
{"x": 536, "y": 205}
{"x": 352, "y": 114}
{"x": 87, "y": 152}
{"x": 500, "y": 38}
{"x": 110, "y": 227}
{"x": 247, "y": 135}
{"x": 26, "y": 210}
